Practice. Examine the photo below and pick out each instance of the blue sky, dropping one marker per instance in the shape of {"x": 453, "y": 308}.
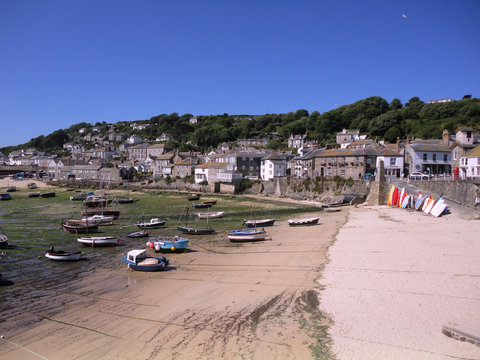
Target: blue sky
{"x": 65, "y": 62}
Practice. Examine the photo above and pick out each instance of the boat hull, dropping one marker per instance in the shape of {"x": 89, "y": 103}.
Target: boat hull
{"x": 214, "y": 215}
{"x": 303, "y": 222}
{"x": 100, "y": 241}
{"x": 79, "y": 229}
{"x": 259, "y": 223}
{"x": 167, "y": 245}
{"x": 151, "y": 226}
{"x": 63, "y": 256}
{"x": 138, "y": 234}
{"x": 247, "y": 238}
{"x": 50, "y": 194}
{"x": 202, "y": 206}
{"x": 160, "y": 266}
{"x": 193, "y": 231}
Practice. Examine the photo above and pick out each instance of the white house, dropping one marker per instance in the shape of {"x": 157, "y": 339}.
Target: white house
{"x": 273, "y": 166}
{"x": 470, "y": 164}
{"x": 392, "y": 162}
{"x": 428, "y": 157}
{"x": 134, "y": 139}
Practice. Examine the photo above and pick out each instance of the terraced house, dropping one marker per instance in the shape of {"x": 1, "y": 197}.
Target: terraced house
{"x": 354, "y": 163}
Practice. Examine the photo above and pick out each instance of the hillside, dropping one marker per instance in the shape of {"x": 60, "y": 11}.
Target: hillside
{"x": 373, "y": 115}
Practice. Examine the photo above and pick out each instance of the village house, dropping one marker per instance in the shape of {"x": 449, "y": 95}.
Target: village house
{"x": 346, "y": 137}
{"x": 297, "y": 141}
{"x": 465, "y": 140}
{"x": 185, "y": 167}
{"x": 303, "y": 166}
{"x": 164, "y": 137}
{"x": 158, "y": 149}
{"x": 254, "y": 142}
{"x": 162, "y": 161}
{"x": 392, "y": 162}
{"x": 136, "y": 126}
{"x": 116, "y": 137}
{"x": 273, "y": 166}
{"x": 208, "y": 172}
{"x": 138, "y": 152}
{"x": 428, "y": 156}
{"x": 193, "y": 120}
{"x": 134, "y": 139}
{"x": 346, "y": 163}
{"x": 74, "y": 148}
{"x": 79, "y": 172}
{"x": 3, "y": 159}
{"x": 470, "y": 164}
{"x": 109, "y": 174}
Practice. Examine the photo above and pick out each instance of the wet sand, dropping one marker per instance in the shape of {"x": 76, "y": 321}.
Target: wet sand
{"x": 395, "y": 277}
{"x": 217, "y": 301}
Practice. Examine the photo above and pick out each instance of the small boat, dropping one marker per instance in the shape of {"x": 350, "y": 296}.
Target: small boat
{"x": 247, "y": 235}
{"x": 34, "y": 194}
{"x": 152, "y": 224}
{"x": 330, "y": 209}
{"x": 5, "y": 196}
{"x": 11, "y": 189}
{"x": 138, "y": 234}
{"x": 168, "y": 244}
{"x": 70, "y": 189}
{"x": 32, "y": 185}
{"x": 139, "y": 260}
{"x": 194, "y": 198}
{"x": 48, "y": 194}
{"x": 300, "y": 222}
{"x": 99, "y": 241}
{"x": 98, "y": 219}
{"x": 202, "y": 206}
{"x": 196, "y": 231}
{"x": 79, "y": 197}
{"x": 263, "y": 222}
{"x": 61, "y": 255}
{"x": 125, "y": 200}
{"x": 212, "y": 202}
{"x": 210, "y": 215}
{"x": 79, "y": 227}
{"x": 3, "y": 239}
{"x": 106, "y": 212}
{"x": 96, "y": 201}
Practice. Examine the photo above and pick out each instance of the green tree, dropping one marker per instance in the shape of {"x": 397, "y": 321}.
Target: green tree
{"x": 396, "y": 104}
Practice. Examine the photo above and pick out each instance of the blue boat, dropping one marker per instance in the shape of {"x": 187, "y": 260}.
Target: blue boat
{"x": 139, "y": 260}
{"x": 168, "y": 244}
{"x": 5, "y": 196}
{"x": 202, "y": 206}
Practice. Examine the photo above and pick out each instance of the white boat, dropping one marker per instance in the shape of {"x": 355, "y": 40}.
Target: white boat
{"x": 210, "y": 215}
{"x": 98, "y": 219}
{"x": 95, "y": 241}
{"x": 152, "y": 224}
{"x": 247, "y": 235}
{"x": 60, "y": 255}
{"x": 300, "y": 222}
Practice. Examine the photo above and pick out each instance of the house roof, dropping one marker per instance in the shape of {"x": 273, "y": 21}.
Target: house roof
{"x": 213, "y": 165}
{"x": 430, "y": 147}
{"x": 474, "y": 152}
{"x": 463, "y": 128}
{"x": 347, "y": 152}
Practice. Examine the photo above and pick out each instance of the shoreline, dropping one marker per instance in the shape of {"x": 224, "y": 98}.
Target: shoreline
{"x": 219, "y": 300}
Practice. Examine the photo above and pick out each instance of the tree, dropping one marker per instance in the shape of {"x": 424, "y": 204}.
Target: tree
{"x": 468, "y": 96}
{"x": 384, "y": 122}
{"x": 396, "y": 104}
{"x": 392, "y": 134}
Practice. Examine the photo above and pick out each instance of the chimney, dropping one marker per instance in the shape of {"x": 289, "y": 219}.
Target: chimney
{"x": 398, "y": 144}
{"x": 445, "y": 137}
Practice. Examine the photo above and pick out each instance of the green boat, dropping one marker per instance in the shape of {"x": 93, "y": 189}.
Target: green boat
{"x": 194, "y": 231}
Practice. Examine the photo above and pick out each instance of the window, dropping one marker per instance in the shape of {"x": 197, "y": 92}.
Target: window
{"x": 424, "y": 156}
{"x": 445, "y": 157}
{"x": 434, "y": 157}
{"x": 393, "y": 161}
{"x": 342, "y": 173}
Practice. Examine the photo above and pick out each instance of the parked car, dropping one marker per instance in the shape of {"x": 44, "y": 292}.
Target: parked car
{"x": 419, "y": 176}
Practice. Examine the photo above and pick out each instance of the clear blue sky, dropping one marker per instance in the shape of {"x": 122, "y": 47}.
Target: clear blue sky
{"x": 64, "y": 62}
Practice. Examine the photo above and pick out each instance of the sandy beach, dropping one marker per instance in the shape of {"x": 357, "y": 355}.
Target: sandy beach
{"x": 218, "y": 301}
{"x": 5, "y": 183}
{"x": 395, "y": 277}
